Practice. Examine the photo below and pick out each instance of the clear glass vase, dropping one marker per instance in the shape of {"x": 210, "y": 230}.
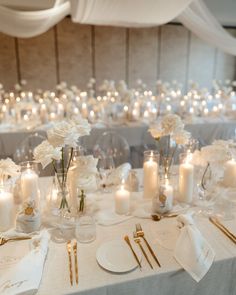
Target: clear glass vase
{"x": 206, "y": 191}
{"x": 62, "y": 219}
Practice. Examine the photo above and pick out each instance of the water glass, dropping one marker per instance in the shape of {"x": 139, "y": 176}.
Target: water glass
{"x": 85, "y": 230}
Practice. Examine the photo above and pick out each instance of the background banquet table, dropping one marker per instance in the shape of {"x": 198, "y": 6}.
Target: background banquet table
{"x": 169, "y": 279}
{"x": 134, "y": 132}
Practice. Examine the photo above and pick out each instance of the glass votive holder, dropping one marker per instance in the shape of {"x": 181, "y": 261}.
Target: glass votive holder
{"x": 186, "y": 178}
{"x": 150, "y": 174}
{"x": 85, "y": 229}
{"x": 163, "y": 201}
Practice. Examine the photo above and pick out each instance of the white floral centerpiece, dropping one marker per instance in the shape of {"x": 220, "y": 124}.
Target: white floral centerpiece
{"x": 215, "y": 156}
{"x": 62, "y": 137}
{"x": 172, "y": 128}
{"x": 8, "y": 169}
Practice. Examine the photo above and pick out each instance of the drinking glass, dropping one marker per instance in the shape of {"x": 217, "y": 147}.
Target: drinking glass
{"x": 85, "y": 230}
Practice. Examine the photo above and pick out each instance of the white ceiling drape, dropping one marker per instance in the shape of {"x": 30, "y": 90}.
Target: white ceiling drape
{"x": 26, "y": 24}
{"x": 194, "y": 14}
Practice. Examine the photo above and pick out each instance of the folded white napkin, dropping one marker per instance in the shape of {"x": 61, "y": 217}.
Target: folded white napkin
{"x": 192, "y": 251}
{"x": 25, "y": 276}
{"x": 118, "y": 174}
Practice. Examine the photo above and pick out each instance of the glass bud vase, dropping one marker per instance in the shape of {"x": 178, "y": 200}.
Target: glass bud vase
{"x": 64, "y": 221}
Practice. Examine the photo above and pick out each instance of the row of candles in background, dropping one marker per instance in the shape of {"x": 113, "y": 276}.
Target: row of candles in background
{"x": 115, "y": 103}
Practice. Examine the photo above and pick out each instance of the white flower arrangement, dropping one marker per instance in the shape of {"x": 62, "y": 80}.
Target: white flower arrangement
{"x": 8, "y": 169}
{"x": 171, "y": 127}
{"x": 215, "y": 156}
{"x": 64, "y": 134}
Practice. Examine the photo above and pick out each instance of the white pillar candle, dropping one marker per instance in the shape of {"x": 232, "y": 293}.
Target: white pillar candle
{"x": 168, "y": 190}
{"x": 186, "y": 182}
{"x": 122, "y": 201}
{"x": 150, "y": 178}
{"x": 6, "y": 210}
{"x": 230, "y": 173}
{"x": 29, "y": 185}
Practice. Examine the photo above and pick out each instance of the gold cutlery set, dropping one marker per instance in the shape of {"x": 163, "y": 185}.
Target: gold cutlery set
{"x": 222, "y": 228}
{"x": 138, "y": 236}
{"x": 69, "y": 251}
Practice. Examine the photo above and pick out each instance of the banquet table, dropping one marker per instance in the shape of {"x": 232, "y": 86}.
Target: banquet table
{"x": 169, "y": 279}
{"x": 136, "y": 134}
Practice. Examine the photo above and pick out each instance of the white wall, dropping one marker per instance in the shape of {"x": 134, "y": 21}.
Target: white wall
{"x": 74, "y": 53}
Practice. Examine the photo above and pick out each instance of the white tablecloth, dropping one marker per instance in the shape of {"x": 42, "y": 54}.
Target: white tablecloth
{"x": 168, "y": 280}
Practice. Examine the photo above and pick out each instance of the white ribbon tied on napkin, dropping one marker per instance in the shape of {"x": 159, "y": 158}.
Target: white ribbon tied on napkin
{"x": 25, "y": 276}
{"x": 192, "y": 251}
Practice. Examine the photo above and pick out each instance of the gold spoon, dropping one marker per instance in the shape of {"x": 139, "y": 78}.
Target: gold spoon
{"x": 158, "y": 217}
{"x": 4, "y": 240}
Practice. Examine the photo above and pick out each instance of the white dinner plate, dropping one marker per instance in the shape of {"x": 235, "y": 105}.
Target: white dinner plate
{"x": 116, "y": 256}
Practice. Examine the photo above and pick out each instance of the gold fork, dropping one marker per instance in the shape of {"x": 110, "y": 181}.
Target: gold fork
{"x": 76, "y": 263}
{"x": 140, "y": 233}
{"x": 70, "y": 262}
{"x": 6, "y": 240}
{"x": 126, "y": 238}
{"x": 138, "y": 241}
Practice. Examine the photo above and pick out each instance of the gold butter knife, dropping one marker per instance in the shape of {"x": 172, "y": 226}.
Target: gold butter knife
{"x": 126, "y": 238}
{"x": 221, "y": 227}
{"x": 76, "y": 263}
{"x": 70, "y": 262}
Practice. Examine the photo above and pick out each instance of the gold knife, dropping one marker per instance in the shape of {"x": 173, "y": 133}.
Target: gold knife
{"x": 76, "y": 263}
{"x": 138, "y": 241}
{"x": 70, "y": 262}
{"x": 221, "y": 227}
{"x": 126, "y": 238}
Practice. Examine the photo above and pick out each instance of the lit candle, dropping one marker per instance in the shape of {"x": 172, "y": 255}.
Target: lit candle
{"x": 230, "y": 173}
{"x": 84, "y": 110}
{"x": 122, "y": 200}
{"x": 150, "y": 178}
{"x": 186, "y": 171}
{"x": 6, "y": 210}
{"x": 168, "y": 191}
{"x": 29, "y": 185}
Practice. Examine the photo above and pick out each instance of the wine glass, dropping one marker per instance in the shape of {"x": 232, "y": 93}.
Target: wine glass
{"x": 105, "y": 167}
{"x": 206, "y": 190}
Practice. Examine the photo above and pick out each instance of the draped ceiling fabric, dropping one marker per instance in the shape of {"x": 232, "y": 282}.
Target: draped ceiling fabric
{"x": 193, "y": 14}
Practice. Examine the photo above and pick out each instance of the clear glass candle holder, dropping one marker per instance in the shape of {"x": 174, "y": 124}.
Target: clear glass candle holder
{"x": 85, "y": 229}
{"x": 186, "y": 178}
{"x": 29, "y": 182}
{"x": 150, "y": 174}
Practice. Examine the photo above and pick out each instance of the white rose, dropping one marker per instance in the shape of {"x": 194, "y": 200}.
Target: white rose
{"x": 57, "y": 135}
{"x": 156, "y": 132}
{"x": 8, "y": 167}
{"x": 45, "y": 153}
{"x": 82, "y": 125}
{"x": 181, "y": 137}
{"x": 171, "y": 123}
